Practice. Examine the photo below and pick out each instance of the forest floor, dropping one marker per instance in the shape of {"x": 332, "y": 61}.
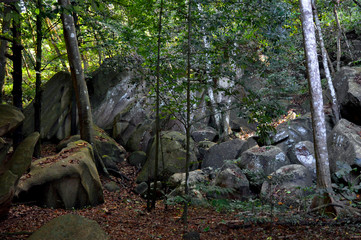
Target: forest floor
{"x": 123, "y": 215}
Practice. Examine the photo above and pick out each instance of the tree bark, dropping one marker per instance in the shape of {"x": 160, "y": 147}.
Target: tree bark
{"x": 17, "y": 91}
{"x": 334, "y": 106}
{"x": 77, "y": 74}
{"x": 338, "y": 41}
{"x": 318, "y": 116}
{"x": 3, "y": 48}
{"x": 157, "y": 103}
{"x": 37, "y": 102}
{"x": 188, "y": 121}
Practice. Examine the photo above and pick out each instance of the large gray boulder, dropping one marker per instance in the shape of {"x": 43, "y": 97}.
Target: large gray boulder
{"x": 70, "y": 227}
{"x": 115, "y": 89}
{"x": 12, "y": 170}
{"x": 262, "y": 161}
{"x": 344, "y": 145}
{"x": 56, "y": 106}
{"x": 230, "y": 150}
{"x": 303, "y": 153}
{"x": 204, "y": 134}
{"x": 195, "y": 177}
{"x": 172, "y": 157}
{"x": 347, "y": 84}
{"x": 67, "y": 180}
{"x": 232, "y": 177}
{"x": 287, "y": 182}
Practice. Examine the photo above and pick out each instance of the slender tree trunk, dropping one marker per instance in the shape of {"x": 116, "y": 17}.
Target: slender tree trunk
{"x": 157, "y": 118}
{"x": 17, "y": 68}
{"x": 3, "y": 48}
{"x": 318, "y": 116}
{"x": 37, "y": 102}
{"x": 81, "y": 90}
{"x": 188, "y": 122}
{"x": 338, "y": 41}
{"x": 335, "y": 108}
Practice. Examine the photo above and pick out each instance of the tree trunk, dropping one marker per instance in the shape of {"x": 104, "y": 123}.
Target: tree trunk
{"x": 157, "y": 117}
{"x": 335, "y": 108}
{"x": 37, "y": 102}
{"x": 3, "y": 48}
{"x": 318, "y": 116}
{"x": 77, "y": 74}
{"x": 17, "y": 69}
{"x": 188, "y": 122}
{"x": 338, "y": 41}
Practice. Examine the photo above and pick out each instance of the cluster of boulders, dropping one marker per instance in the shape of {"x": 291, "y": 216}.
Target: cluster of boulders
{"x": 241, "y": 167}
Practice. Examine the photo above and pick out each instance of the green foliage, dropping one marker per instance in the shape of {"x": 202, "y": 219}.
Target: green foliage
{"x": 347, "y": 183}
{"x": 262, "y": 111}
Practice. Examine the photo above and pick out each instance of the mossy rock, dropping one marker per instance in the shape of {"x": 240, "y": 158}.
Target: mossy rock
{"x": 10, "y": 118}
{"x": 68, "y": 179}
{"x": 12, "y": 170}
{"x": 70, "y": 226}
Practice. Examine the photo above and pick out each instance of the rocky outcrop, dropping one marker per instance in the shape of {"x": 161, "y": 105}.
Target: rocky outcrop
{"x": 56, "y": 107}
{"x": 70, "y": 226}
{"x": 66, "y": 180}
{"x": 230, "y": 150}
{"x": 172, "y": 157}
{"x": 115, "y": 89}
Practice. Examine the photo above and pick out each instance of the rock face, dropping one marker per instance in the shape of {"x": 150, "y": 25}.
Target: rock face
{"x": 171, "y": 157}
{"x": 113, "y": 90}
{"x": 347, "y": 84}
{"x": 66, "y": 180}
{"x": 230, "y": 150}
{"x": 68, "y": 227}
{"x": 344, "y": 145}
{"x": 288, "y": 180}
{"x": 232, "y": 177}
{"x": 11, "y": 171}
{"x": 56, "y": 104}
